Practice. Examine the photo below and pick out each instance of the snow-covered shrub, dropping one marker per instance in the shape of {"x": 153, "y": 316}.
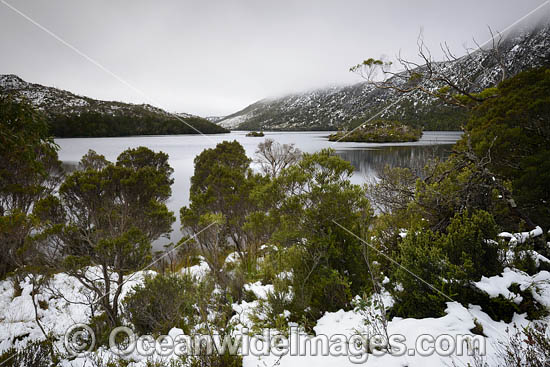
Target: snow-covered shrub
{"x": 272, "y": 312}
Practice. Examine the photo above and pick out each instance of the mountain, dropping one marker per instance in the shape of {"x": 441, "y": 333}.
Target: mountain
{"x": 214, "y": 119}
{"x": 337, "y": 107}
{"x": 71, "y": 115}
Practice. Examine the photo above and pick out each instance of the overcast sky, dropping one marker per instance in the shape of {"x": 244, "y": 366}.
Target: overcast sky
{"x": 216, "y": 57}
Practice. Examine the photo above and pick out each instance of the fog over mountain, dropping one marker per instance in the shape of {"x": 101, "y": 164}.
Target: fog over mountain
{"x": 214, "y": 58}
{"x": 345, "y": 107}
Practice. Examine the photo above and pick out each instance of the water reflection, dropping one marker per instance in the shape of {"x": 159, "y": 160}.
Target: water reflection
{"x": 368, "y": 158}
{"x": 69, "y": 166}
{"x": 368, "y": 162}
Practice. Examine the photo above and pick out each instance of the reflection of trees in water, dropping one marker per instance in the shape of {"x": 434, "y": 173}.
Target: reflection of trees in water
{"x": 69, "y": 166}
{"x": 369, "y": 162}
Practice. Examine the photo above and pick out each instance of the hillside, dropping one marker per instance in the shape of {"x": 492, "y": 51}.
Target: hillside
{"x": 336, "y": 107}
{"x": 71, "y": 115}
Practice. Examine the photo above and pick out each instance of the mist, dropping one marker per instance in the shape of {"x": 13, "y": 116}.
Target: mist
{"x": 216, "y": 57}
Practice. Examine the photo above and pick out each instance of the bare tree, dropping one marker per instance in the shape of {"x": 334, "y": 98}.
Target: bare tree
{"x": 454, "y": 82}
{"x": 394, "y": 189}
{"x": 274, "y": 157}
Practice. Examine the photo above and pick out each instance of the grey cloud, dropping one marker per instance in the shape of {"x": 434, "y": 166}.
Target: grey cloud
{"x": 215, "y": 57}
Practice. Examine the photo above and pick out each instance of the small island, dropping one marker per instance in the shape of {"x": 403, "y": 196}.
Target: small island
{"x": 379, "y": 131}
{"x": 256, "y": 134}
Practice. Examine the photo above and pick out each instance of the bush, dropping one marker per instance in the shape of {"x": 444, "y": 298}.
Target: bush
{"x": 35, "y": 354}
{"x": 161, "y": 303}
{"x": 449, "y": 261}
{"x": 421, "y": 256}
{"x": 527, "y": 347}
{"x": 317, "y": 205}
{"x": 271, "y": 313}
{"x": 470, "y": 243}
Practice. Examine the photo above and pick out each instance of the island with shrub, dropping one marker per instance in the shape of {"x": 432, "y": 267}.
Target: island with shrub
{"x": 378, "y": 131}
{"x": 255, "y": 134}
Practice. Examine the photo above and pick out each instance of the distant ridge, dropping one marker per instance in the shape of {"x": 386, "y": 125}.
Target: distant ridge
{"x": 71, "y": 115}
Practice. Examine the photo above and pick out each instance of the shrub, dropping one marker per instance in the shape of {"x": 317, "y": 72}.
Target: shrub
{"x": 161, "y": 303}
{"x": 469, "y": 243}
{"x": 422, "y": 294}
{"x": 34, "y": 354}
{"x": 527, "y": 347}
{"x": 318, "y": 204}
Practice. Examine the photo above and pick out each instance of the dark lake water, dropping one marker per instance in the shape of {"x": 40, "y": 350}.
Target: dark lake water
{"x": 367, "y": 158}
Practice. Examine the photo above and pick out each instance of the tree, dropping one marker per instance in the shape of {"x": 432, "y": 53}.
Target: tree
{"x": 513, "y": 131}
{"x": 317, "y": 207}
{"x": 452, "y": 80}
{"x": 29, "y": 172}
{"x": 112, "y": 213}
{"x": 273, "y": 157}
{"x": 393, "y": 190}
{"x": 220, "y": 192}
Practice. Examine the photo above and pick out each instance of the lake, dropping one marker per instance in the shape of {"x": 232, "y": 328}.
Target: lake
{"x": 367, "y": 158}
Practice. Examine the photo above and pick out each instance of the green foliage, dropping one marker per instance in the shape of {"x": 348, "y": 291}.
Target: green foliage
{"x": 513, "y": 128}
{"x": 112, "y": 213}
{"x": 500, "y": 308}
{"x": 424, "y": 293}
{"x": 528, "y": 304}
{"x": 316, "y": 203}
{"x": 470, "y": 244}
{"x": 220, "y": 194}
{"x": 523, "y": 260}
{"x": 454, "y": 186}
{"x": 274, "y": 311}
{"x": 102, "y": 327}
{"x": 449, "y": 261}
{"x": 161, "y": 303}
{"x": 29, "y": 172}
{"x": 95, "y": 124}
{"x": 35, "y": 354}
{"x": 379, "y": 131}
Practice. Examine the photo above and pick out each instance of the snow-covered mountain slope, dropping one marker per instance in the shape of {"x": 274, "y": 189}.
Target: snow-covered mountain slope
{"x": 57, "y": 101}
{"x": 334, "y": 107}
{"x": 72, "y": 115}
{"x": 214, "y": 119}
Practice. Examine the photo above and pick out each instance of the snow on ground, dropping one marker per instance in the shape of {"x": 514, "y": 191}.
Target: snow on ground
{"x": 60, "y": 306}
{"x": 17, "y": 325}
{"x": 197, "y": 271}
{"x": 458, "y": 321}
{"x": 539, "y": 285}
{"x": 521, "y": 237}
